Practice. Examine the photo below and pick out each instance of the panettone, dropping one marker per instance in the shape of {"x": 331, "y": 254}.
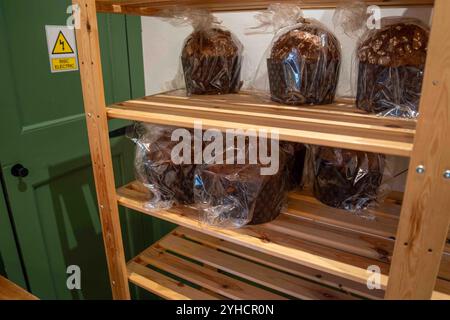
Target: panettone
{"x": 296, "y": 154}
{"x": 347, "y": 179}
{"x": 170, "y": 183}
{"x": 304, "y": 66}
{"x": 238, "y": 195}
{"x": 211, "y": 61}
{"x": 390, "y": 71}
{"x": 234, "y": 195}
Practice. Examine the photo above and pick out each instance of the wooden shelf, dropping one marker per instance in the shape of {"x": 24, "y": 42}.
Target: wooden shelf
{"x": 153, "y": 7}
{"x": 11, "y": 291}
{"x": 332, "y": 242}
{"x": 336, "y": 125}
{"x": 197, "y": 266}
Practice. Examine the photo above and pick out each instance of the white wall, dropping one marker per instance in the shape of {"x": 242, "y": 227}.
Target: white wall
{"x": 162, "y": 45}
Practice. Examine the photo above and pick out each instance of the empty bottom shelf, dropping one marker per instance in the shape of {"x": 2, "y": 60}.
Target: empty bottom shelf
{"x": 190, "y": 265}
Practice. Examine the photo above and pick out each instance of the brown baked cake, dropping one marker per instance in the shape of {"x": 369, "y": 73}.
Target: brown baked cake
{"x": 212, "y": 62}
{"x": 238, "y": 195}
{"x": 304, "y": 66}
{"x": 296, "y": 153}
{"x": 390, "y": 72}
{"x": 347, "y": 179}
{"x": 170, "y": 183}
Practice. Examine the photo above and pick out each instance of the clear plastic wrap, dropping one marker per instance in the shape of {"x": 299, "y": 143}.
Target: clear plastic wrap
{"x": 211, "y": 55}
{"x": 391, "y": 63}
{"x": 235, "y": 195}
{"x": 389, "y": 60}
{"x": 296, "y": 160}
{"x": 168, "y": 182}
{"x": 351, "y": 17}
{"x": 349, "y": 180}
{"x": 301, "y": 66}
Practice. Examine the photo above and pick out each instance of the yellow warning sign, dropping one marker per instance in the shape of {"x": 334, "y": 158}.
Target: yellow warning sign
{"x": 64, "y": 64}
{"x": 62, "y": 49}
{"x": 62, "y": 46}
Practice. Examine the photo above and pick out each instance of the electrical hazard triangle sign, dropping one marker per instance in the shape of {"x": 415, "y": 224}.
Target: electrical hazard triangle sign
{"x": 62, "y": 46}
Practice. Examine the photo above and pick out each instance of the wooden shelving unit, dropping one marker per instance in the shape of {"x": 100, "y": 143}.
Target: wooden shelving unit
{"x": 311, "y": 251}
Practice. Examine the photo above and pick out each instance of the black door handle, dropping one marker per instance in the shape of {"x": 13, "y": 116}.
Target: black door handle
{"x": 19, "y": 171}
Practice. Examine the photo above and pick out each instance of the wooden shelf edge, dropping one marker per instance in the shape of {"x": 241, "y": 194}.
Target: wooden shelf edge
{"x": 330, "y": 140}
{"x": 152, "y": 8}
{"x": 334, "y": 125}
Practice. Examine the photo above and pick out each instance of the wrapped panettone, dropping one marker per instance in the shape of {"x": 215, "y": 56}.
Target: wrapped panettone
{"x": 238, "y": 195}
{"x": 301, "y": 65}
{"x": 296, "y": 157}
{"x": 391, "y": 64}
{"x": 211, "y": 61}
{"x": 211, "y": 56}
{"x": 347, "y": 179}
{"x": 168, "y": 182}
{"x": 304, "y": 65}
{"x": 235, "y": 195}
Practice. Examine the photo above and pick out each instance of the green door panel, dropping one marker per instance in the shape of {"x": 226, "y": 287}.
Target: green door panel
{"x": 42, "y": 126}
{"x": 2, "y": 267}
{"x": 10, "y": 264}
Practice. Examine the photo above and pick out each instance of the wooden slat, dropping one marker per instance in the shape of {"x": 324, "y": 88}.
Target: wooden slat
{"x": 163, "y": 286}
{"x": 207, "y": 278}
{"x": 442, "y": 290}
{"x": 440, "y": 296}
{"x": 308, "y": 207}
{"x": 153, "y": 7}
{"x": 348, "y": 240}
{"x": 366, "y": 245}
{"x": 324, "y": 125}
{"x": 11, "y": 291}
{"x": 262, "y": 275}
{"x": 281, "y": 264}
{"x": 272, "y": 119}
{"x": 425, "y": 215}
{"x": 244, "y": 103}
{"x": 381, "y": 221}
{"x": 215, "y": 295}
{"x": 97, "y": 125}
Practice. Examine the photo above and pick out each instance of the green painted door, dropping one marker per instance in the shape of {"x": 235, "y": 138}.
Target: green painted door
{"x": 42, "y": 127}
{"x": 10, "y": 263}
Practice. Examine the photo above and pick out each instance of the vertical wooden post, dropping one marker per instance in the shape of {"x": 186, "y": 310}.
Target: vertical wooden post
{"x": 425, "y": 215}
{"x": 97, "y": 124}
